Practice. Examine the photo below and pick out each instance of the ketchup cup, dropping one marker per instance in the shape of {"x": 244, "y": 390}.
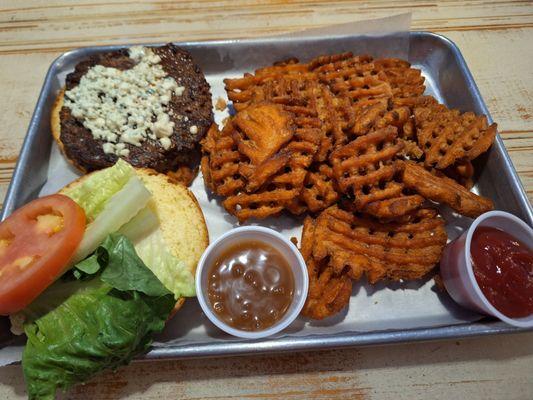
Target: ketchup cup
{"x": 456, "y": 265}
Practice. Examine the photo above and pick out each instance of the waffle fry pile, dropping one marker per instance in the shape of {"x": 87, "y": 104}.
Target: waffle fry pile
{"x": 353, "y": 143}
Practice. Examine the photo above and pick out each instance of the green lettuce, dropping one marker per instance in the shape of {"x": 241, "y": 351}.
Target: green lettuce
{"x": 120, "y": 208}
{"x": 97, "y": 188}
{"x": 173, "y": 273}
{"x": 115, "y": 199}
{"x": 143, "y": 230}
{"x": 143, "y": 224}
{"x": 99, "y": 315}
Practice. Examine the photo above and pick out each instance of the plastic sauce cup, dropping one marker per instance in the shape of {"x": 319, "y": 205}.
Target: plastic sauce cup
{"x": 456, "y": 265}
{"x": 276, "y": 240}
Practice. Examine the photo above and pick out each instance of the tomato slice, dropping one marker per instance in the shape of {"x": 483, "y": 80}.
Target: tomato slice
{"x": 36, "y": 243}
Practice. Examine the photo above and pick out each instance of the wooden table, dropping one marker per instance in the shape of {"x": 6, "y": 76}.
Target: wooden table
{"x": 496, "y": 40}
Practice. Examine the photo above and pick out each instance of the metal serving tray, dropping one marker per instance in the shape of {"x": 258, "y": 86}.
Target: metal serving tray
{"x": 448, "y": 79}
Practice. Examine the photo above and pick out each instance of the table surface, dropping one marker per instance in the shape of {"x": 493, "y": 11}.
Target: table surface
{"x": 496, "y": 41}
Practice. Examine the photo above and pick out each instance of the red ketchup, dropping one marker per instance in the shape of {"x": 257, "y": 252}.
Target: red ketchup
{"x": 503, "y": 267}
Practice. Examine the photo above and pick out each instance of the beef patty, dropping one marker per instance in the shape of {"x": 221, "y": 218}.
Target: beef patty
{"x": 192, "y": 108}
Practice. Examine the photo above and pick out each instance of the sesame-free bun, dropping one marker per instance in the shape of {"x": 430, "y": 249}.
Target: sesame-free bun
{"x": 181, "y": 219}
{"x": 55, "y": 126}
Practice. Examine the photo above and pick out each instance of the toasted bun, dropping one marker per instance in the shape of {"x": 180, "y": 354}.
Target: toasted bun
{"x": 182, "y": 221}
{"x": 55, "y": 119}
{"x": 176, "y": 308}
{"x": 55, "y": 125}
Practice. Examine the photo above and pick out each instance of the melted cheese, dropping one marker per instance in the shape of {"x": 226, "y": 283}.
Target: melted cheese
{"x": 128, "y": 106}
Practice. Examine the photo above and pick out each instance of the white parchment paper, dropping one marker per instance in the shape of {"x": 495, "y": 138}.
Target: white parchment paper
{"x": 379, "y": 307}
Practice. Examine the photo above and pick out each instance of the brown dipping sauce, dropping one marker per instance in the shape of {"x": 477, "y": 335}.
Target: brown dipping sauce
{"x": 250, "y": 286}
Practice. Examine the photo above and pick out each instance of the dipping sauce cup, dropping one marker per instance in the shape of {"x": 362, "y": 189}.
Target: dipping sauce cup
{"x": 250, "y": 234}
{"x": 457, "y": 271}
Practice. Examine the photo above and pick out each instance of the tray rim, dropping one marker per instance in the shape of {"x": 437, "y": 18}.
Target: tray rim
{"x": 329, "y": 341}
{"x": 291, "y": 343}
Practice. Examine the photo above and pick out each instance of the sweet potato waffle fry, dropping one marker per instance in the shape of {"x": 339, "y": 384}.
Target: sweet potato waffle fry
{"x": 365, "y": 168}
{"x": 319, "y": 191}
{"x": 220, "y": 162}
{"x": 352, "y": 141}
{"x": 367, "y": 80}
{"x": 445, "y": 190}
{"x": 358, "y": 82}
{"x": 447, "y": 136}
{"x": 381, "y": 115}
{"x": 267, "y": 158}
{"x": 328, "y": 292}
{"x": 394, "y": 208}
{"x": 359, "y": 245}
{"x": 405, "y": 81}
{"x": 337, "y": 62}
{"x": 312, "y": 104}
{"x": 259, "y": 205}
{"x": 252, "y": 133}
{"x": 462, "y": 172}
{"x": 387, "y": 113}
{"x": 258, "y": 87}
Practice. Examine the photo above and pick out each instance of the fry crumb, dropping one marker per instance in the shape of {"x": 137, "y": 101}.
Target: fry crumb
{"x": 220, "y": 105}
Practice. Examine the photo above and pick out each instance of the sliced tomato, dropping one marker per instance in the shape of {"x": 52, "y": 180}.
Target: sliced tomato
{"x": 37, "y": 242}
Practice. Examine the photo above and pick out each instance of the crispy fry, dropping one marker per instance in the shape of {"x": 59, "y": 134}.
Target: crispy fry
{"x": 319, "y": 190}
{"x": 462, "y": 172}
{"x": 380, "y": 250}
{"x": 448, "y": 136}
{"x": 314, "y": 105}
{"x": 404, "y": 80}
{"x": 220, "y": 163}
{"x": 311, "y": 103}
{"x": 337, "y": 62}
{"x": 259, "y": 160}
{"x": 367, "y": 168}
{"x": 261, "y": 75}
{"x": 274, "y": 83}
{"x": 257, "y": 176}
{"x": 411, "y": 150}
{"x": 328, "y": 293}
{"x": 394, "y": 208}
{"x": 358, "y": 83}
{"x": 445, "y": 190}
{"x": 260, "y": 205}
{"x": 261, "y": 131}
{"x": 345, "y": 138}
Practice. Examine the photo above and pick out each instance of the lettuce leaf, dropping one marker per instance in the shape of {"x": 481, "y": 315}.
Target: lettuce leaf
{"x": 119, "y": 255}
{"x": 171, "y": 271}
{"x": 143, "y": 224}
{"x": 99, "y": 315}
{"x": 97, "y": 188}
{"x": 115, "y": 199}
{"x": 120, "y": 208}
{"x": 145, "y": 233}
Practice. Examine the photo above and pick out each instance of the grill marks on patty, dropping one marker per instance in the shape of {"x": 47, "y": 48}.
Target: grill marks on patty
{"x": 192, "y": 108}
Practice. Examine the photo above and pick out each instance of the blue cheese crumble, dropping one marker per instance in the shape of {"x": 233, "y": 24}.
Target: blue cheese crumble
{"x": 128, "y": 106}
